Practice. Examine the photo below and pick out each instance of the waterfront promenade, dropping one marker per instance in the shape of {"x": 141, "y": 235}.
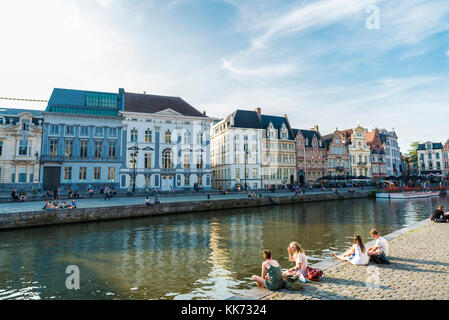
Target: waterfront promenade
{"x": 83, "y": 203}
{"x": 419, "y": 270}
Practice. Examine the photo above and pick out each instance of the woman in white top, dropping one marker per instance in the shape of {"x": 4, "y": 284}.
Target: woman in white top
{"x": 357, "y": 254}
{"x": 296, "y": 253}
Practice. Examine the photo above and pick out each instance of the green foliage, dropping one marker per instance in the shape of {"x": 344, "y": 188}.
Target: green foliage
{"x": 413, "y": 152}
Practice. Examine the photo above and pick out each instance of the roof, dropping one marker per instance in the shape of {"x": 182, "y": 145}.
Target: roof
{"x": 277, "y": 123}
{"x": 149, "y": 103}
{"x": 246, "y": 119}
{"x": 435, "y": 145}
{"x": 15, "y": 112}
{"x": 309, "y": 134}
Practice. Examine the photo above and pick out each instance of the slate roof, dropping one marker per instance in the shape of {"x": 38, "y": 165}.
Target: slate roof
{"x": 149, "y": 103}
{"x": 277, "y": 123}
{"x": 246, "y": 119}
{"x": 308, "y": 134}
{"x": 15, "y": 112}
{"x": 436, "y": 145}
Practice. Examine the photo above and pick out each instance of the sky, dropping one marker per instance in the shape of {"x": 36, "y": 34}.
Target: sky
{"x": 332, "y": 63}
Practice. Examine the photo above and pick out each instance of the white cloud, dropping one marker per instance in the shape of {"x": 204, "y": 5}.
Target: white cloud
{"x": 261, "y": 71}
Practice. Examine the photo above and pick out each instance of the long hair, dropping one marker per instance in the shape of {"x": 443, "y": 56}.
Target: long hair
{"x": 298, "y": 248}
{"x": 358, "y": 240}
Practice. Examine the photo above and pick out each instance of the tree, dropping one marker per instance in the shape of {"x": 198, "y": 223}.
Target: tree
{"x": 412, "y": 153}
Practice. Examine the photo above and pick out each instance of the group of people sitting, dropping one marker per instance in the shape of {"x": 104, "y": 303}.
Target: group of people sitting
{"x": 18, "y": 196}
{"x": 272, "y": 275}
{"x": 56, "y": 205}
{"x": 440, "y": 216}
{"x": 148, "y": 202}
{"x": 358, "y": 254}
{"x": 252, "y": 194}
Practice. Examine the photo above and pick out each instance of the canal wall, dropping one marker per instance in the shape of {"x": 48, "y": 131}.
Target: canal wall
{"x": 64, "y": 216}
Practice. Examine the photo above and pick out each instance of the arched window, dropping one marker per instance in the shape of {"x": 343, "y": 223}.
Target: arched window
{"x": 167, "y": 159}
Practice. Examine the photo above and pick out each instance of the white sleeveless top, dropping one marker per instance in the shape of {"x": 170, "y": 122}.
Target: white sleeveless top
{"x": 359, "y": 258}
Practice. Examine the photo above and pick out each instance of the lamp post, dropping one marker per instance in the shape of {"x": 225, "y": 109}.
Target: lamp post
{"x": 246, "y": 160}
{"x": 136, "y": 149}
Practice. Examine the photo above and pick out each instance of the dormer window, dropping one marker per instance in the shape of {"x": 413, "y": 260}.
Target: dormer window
{"x": 25, "y": 125}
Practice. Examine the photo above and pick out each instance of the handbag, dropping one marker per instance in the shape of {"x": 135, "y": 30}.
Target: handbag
{"x": 291, "y": 283}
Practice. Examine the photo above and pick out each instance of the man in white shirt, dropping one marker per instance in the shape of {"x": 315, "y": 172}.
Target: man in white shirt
{"x": 379, "y": 252}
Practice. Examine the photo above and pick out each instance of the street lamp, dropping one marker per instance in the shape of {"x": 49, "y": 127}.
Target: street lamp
{"x": 246, "y": 160}
{"x": 136, "y": 149}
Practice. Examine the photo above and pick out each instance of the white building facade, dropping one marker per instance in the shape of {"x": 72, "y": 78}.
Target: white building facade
{"x": 20, "y": 148}
{"x": 167, "y": 144}
{"x": 430, "y": 158}
{"x": 235, "y": 151}
{"x": 392, "y": 152}
{"x": 359, "y": 153}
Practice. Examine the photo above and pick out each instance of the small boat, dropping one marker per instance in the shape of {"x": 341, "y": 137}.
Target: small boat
{"x": 407, "y": 195}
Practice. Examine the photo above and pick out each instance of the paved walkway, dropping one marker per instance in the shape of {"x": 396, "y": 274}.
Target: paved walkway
{"x": 119, "y": 201}
{"x": 419, "y": 270}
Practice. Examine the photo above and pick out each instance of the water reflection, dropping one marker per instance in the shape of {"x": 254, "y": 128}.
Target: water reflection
{"x": 194, "y": 256}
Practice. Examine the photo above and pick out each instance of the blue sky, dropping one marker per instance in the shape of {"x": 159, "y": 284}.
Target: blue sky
{"x": 316, "y": 61}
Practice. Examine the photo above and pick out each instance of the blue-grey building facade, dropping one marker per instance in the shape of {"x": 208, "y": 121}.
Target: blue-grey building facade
{"x": 82, "y": 142}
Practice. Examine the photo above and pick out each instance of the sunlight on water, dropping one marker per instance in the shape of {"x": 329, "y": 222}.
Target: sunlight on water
{"x": 209, "y": 255}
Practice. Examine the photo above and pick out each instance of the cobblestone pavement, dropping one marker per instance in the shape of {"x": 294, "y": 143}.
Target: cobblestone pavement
{"x": 118, "y": 201}
{"x": 419, "y": 270}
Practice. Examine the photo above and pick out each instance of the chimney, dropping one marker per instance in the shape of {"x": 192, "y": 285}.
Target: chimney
{"x": 259, "y": 113}
{"x": 204, "y": 112}
{"x": 315, "y": 128}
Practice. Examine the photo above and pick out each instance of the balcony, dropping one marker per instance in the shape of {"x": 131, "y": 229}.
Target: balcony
{"x": 362, "y": 164}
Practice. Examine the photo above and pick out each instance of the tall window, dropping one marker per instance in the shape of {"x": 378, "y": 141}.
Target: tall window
{"x": 186, "y": 161}
{"x": 237, "y": 173}
{"x": 167, "y": 136}
{"x": 187, "y": 137}
{"x": 111, "y": 173}
{"x": 23, "y": 147}
{"x": 133, "y": 135}
{"x": 187, "y": 180}
{"x": 200, "y": 180}
{"x": 167, "y": 159}
{"x": 83, "y": 173}
{"x": 53, "y": 148}
{"x": 69, "y": 130}
{"x": 98, "y": 149}
{"x": 199, "y": 138}
{"x": 83, "y": 149}
{"x": 1, "y": 147}
{"x": 54, "y": 129}
{"x": 199, "y": 161}
{"x": 148, "y": 136}
{"x": 68, "y": 148}
{"x": 112, "y": 150}
{"x": 147, "y": 160}
{"x": 97, "y": 173}
{"x": 68, "y": 173}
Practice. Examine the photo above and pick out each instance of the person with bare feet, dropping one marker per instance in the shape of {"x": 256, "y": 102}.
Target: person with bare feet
{"x": 357, "y": 254}
{"x": 271, "y": 277}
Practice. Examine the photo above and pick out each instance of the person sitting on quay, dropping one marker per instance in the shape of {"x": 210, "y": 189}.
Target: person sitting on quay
{"x": 271, "y": 276}
{"x": 296, "y": 253}
{"x": 47, "y": 205}
{"x": 147, "y": 201}
{"x": 63, "y": 205}
{"x": 91, "y": 192}
{"x": 439, "y": 216}
{"x": 72, "y": 205}
{"x": 113, "y": 192}
{"x": 14, "y": 195}
{"x": 378, "y": 253}
{"x": 76, "y": 195}
{"x": 70, "y": 193}
{"x": 356, "y": 255}
{"x": 22, "y": 196}
{"x": 156, "y": 200}
{"x": 55, "y": 205}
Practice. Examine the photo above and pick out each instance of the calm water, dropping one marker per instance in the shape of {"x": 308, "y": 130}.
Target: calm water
{"x": 208, "y": 255}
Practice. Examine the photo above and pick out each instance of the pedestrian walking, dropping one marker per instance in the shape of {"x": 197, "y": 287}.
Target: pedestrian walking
{"x": 107, "y": 193}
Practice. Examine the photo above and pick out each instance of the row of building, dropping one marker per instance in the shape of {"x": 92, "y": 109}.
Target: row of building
{"x": 123, "y": 139}
{"x": 257, "y": 150}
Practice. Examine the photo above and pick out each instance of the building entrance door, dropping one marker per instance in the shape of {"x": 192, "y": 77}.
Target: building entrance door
{"x": 167, "y": 182}
{"x": 52, "y": 178}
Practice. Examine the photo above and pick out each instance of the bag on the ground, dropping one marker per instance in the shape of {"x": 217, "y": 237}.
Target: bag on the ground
{"x": 313, "y": 274}
{"x": 379, "y": 258}
{"x": 291, "y": 283}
